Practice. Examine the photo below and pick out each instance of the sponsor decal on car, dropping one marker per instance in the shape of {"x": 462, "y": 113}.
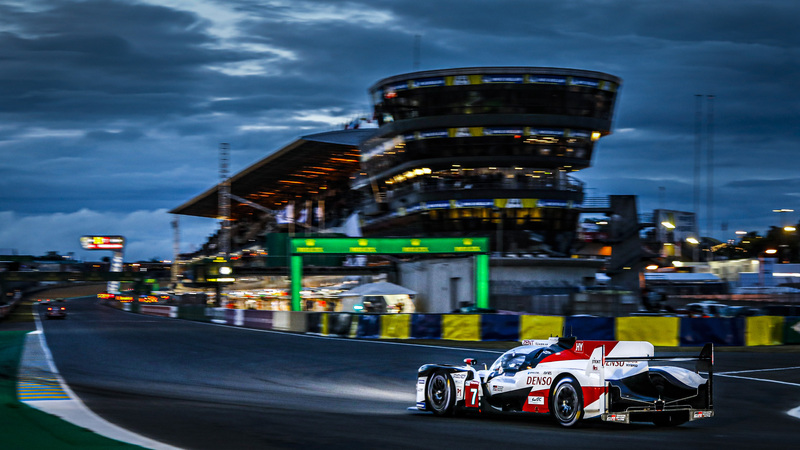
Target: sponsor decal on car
{"x": 536, "y": 400}
{"x": 539, "y": 381}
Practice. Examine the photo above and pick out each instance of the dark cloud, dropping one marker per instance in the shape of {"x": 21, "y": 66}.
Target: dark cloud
{"x": 112, "y": 111}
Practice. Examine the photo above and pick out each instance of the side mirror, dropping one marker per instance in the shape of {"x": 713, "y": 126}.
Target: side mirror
{"x": 470, "y": 361}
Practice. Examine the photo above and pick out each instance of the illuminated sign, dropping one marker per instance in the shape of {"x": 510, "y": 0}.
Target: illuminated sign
{"x": 102, "y": 242}
{"x": 304, "y": 246}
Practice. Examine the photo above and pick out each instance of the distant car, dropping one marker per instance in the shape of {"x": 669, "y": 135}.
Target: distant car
{"x": 742, "y": 311}
{"x": 56, "y": 312}
{"x": 572, "y": 380}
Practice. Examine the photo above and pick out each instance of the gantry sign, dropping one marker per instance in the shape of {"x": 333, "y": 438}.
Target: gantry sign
{"x": 478, "y": 246}
{"x": 113, "y": 243}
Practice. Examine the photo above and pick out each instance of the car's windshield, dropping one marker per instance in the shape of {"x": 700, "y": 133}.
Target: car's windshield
{"x": 522, "y": 359}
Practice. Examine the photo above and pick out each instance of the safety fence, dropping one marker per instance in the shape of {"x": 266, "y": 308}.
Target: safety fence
{"x": 661, "y": 331}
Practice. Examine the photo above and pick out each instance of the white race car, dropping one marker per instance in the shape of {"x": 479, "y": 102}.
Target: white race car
{"x": 573, "y": 380}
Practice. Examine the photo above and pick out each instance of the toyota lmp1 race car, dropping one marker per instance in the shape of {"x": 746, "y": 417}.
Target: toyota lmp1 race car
{"x": 573, "y": 380}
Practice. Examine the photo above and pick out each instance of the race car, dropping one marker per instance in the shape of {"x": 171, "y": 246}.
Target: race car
{"x": 572, "y": 380}
{"x": 56, "y": 312}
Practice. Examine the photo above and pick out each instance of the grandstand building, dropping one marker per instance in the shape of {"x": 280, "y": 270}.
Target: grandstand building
{"x": 484, "y": 151}
{"x": 481, "y": 151}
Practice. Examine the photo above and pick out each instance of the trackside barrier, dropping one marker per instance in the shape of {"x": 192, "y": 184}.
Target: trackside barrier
{"x": 661, "y": 331}
{"x": 764, "y": 330}
{"x": 396, "y": 326}
{"x": 194, "y": 312}
{"x": 590, "y": 328}
{"x": 540, "y": 327}
{"x": 461, "y": 327}
{"x": 719, "y": 331}
{"x": 426, "y": 326}
{"x": 368, "y": 326}
{"x": 791, "y": 330}
{"x": 158, "y": 310}
{"x": 499, "y": 327}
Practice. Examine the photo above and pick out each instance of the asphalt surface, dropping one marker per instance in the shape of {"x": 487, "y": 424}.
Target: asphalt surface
{"x": 200, "y": 386}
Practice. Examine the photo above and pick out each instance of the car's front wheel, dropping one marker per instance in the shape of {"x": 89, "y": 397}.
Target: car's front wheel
{"x": 441, "y": 394}
{"x": 566, "y": 402}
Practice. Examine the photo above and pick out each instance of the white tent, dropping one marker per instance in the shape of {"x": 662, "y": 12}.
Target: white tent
{"x": 378, "y": 297}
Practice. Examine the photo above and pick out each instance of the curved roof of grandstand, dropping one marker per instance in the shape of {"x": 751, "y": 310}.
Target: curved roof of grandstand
{"x": 299, "y": 170}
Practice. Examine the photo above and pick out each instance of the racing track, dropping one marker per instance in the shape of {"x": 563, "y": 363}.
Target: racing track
{"x": 202, "y": 386}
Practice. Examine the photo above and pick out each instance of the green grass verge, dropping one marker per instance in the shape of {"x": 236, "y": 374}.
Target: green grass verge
{"x": 24, "y": 427}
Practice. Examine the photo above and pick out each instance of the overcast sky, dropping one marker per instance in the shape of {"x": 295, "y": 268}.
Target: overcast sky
{"x": 111, "y": 112}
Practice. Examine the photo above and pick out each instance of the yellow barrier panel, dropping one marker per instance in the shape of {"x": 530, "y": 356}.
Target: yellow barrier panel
{"x": 458, "y": 327}
{"x": 395, "y": 326}
{"x": 661, "y": 331}
{"x": 324, "y": 324}
{"x": 540, "y": 327}
{"x": 763, "y": 330}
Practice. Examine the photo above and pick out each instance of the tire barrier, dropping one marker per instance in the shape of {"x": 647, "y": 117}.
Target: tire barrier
{"x": 660, "y": 331}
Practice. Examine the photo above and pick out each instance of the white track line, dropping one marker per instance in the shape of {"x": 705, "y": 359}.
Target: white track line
{"x": 794, "y": 412}
{"x": 75, "y": 411}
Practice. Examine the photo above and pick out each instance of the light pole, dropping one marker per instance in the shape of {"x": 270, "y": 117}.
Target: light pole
{"x": 782, "y": 212}
{"x": 696, "y": 244}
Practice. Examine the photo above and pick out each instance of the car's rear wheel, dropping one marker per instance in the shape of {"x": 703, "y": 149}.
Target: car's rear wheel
{"x": 566, "y": 402}
{"x": 441, "y": 394}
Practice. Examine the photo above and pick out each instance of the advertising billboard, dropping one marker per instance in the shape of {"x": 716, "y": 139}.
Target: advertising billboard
{"x": 102, "y": 242}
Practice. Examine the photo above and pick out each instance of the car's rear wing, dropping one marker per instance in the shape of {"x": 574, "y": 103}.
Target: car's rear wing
{"x": 705, "y": 363}
{"x": 705, "y": 360}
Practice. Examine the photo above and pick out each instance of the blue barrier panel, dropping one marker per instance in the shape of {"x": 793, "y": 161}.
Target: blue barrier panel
{"x": 590, "y": 328}
{"x": 499, "y": 327}
{"x": 426, "y": 326}
{"x": 369, "y": 326}
{"x": 720, "y": 331}
{"x": 314, "y": 323}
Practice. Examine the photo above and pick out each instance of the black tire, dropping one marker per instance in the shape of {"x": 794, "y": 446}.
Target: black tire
{"x": 566, "y": 402}
{"x": 440, "y": 394}
{"x": 671, "y": 420}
